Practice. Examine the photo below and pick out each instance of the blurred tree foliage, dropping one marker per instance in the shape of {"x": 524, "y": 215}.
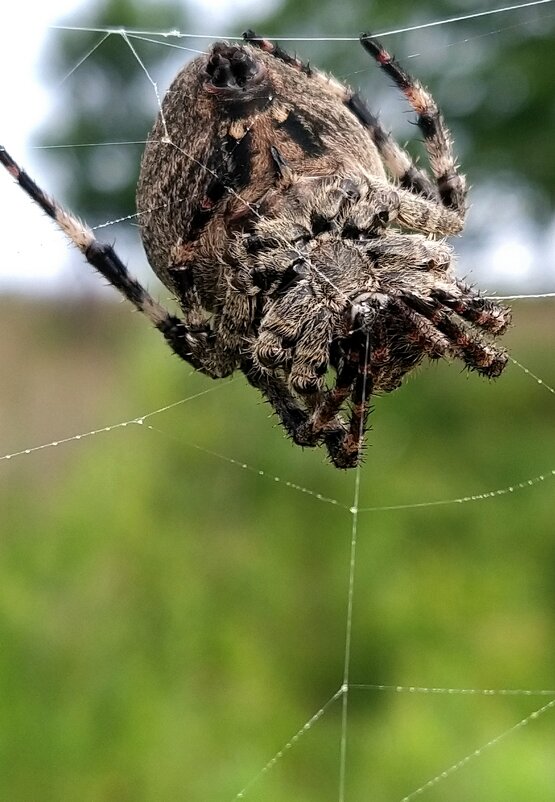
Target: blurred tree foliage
{"x": 492, "y": 76}
{"x": 106, "y": 98}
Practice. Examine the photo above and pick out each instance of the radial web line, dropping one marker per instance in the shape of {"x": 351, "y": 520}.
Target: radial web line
{"x": 165, "y": 44}
{"x": 89, "y": 145}
{"x": 494, "y": 32}
{"x": 185, "y": 35}
{"x": 421, "y": 689}
{"x": 256, "y": 471}
{"x": 502, "y": 491}
{"x": 85, "y": 57}
{"x": 351, "y": 593}
{"x": 524, "y": 296}
{"x": 122, "y": 425}
{"x": 478, "y": 752}
{"x": 284, "y": 749}
{"x": 439, "y": 48}
{"x": 126, "y": 39}
{"x": 464, "y": 17}
{"x": 533, "y": 376}
{"x": 134, "y": 215}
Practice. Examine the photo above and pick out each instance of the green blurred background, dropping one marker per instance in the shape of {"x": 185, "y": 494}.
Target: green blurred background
{"x": 168, "y": 618}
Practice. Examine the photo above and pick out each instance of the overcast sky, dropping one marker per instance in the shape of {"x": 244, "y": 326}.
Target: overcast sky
{"x": 32, "y": 250}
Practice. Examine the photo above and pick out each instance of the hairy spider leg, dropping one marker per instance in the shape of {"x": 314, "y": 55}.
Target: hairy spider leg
{"x": 193, "y": 344}
{"x": 437, "y": 139}
{"x": 326, "y": 406}
{"x": 478, "y": 354}
{"x": 350, "y": 448}
{"x": 396, "y": 159}
{"x": 288, "y": 409}
{"x": 293, "y": 417}
{"x": 358, "y": 365}
{"x": 480, "y": 311}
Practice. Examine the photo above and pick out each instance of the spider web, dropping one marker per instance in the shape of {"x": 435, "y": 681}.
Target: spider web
{"x": 351, "y": 509}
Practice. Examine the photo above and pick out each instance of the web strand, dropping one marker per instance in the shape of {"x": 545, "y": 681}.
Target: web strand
{"x": 87, "y": 55}
{"x": 279, "y": 480}
{"x": 174, "y": 33}
{"x": 444, "y": 775}
{"x": 420, "y": 689}
{"x": 351, "y": 590}
{"x": 112, "y": 427}
{"x": 289, "y": 745}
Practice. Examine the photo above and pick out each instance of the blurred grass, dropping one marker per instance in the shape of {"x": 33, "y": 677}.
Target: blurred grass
{"x": 168, "y": 619}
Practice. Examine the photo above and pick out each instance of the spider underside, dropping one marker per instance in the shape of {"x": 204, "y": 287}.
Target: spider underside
{"x": 303, "y": 245}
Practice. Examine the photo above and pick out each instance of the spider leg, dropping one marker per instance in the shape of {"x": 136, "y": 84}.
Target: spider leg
{"x": 362, "y": 203}
{"x": 193, "y": 343}
{"x": 416, "y": 212}
{"x": 347, "y": 451}
{"x": 422, "y": 337}
{"x": 326, "y": 406}
{"x": 311, "y": 353}
{"x": 293, "y": 416}
{"x": 231, "y": 327}
{"x": 414, "y": 251}
{"x": 313, "y": 205}
{"x": 288, "y": 409}
{"x": 482, "y": 312}
{"x": 434, "y": 257}
{"x": 295, "y": 337}
{"x": 476, "y": 352}
{"x": 348, "y": 204}
{"x": 451, "y": 185}
{"x": 359, "y": 362}
{"x": 396, "y": 159}
{"x": 296, "y": 332}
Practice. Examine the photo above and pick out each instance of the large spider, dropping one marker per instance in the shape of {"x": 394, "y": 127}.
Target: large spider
{"x": 274, "y": 205}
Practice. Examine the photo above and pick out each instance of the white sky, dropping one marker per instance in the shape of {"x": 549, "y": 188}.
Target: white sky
{"x": 35, "y": 254}
{"x": 32, "y": 250}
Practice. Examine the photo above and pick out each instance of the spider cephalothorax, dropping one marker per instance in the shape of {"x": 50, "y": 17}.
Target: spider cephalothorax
{"x": 303, "y": 245}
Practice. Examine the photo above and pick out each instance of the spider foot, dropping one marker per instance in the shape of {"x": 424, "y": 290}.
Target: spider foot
{"x": 480, "y": 311}
{"x": 345, "y": 450}
{"x": 479, "y": 355}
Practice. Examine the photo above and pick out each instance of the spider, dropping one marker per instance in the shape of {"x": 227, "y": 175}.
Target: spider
{"x": 304, "y": 246}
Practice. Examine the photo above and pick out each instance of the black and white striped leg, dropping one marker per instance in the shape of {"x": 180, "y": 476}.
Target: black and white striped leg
{"x": 194, "y": 344}
{"x": 437, "y": 139}
{"x": 396, "y": 158}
